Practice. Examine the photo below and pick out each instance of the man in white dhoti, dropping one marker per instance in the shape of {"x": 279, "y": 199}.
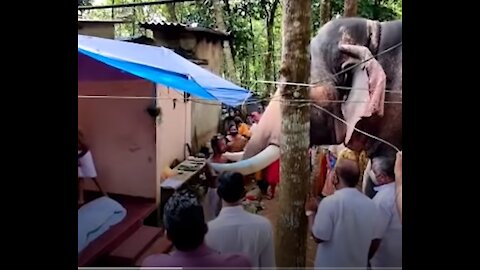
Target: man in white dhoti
{"x": 86, "y": 168}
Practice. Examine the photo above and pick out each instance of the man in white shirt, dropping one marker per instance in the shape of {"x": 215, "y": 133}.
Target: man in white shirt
{"x": 236, "y": 230}
{"x": 387, "y": 250}
{"x": 343, "y": 226}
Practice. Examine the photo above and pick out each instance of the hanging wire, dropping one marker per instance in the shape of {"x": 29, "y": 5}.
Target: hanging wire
{"x": 291, "y": 102}
{"x": 312, "y": 85}
{"x": 356, "y": 129}
{"x": 277, "y": 99}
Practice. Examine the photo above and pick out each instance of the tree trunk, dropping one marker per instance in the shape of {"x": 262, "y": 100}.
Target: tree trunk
{"x": 171, "y": 12}
{"x": 376, "y": 10}
{"x": 291, "y": 230}
{"x": 350, "y": 8}
{"x": 220, "y": 22}
{"x": 254, "y": 59}
{"x": 325, "y": 12}
{"x": 246, "y": 78}
{"x": 269, "y": 62}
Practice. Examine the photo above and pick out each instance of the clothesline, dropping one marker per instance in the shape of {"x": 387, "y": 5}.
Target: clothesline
{"x": 246, "y": 103}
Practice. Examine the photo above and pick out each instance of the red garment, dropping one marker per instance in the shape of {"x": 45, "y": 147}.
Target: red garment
{"x": 323, "y": 173}
{"x": 272, "y": 173}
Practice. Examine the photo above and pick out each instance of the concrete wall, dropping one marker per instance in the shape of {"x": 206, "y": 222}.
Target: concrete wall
{"x": 173, "y": 129}
{"x": 103, "y": 30}
{"x": 121, "y": 134}
{"x": 205, "y": 117}
{"x": 211, "y": 51}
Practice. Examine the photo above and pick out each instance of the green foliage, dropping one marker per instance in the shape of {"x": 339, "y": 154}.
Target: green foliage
{"x": 381, "y": 10}
{"x": 84, "y": 2}
{"x": 246, "y": 20}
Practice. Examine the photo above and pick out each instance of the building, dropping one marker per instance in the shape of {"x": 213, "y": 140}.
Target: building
{"x": 98, "y": 28}
{"x": 180, "y": 121}
{"x": 133, "y": 139}
{"x": 202, "y": 46}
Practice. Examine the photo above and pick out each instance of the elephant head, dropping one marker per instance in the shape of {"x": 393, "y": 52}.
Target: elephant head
{"x": 338, "y": 69}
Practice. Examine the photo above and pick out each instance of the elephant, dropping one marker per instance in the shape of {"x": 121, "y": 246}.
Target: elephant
{"x": 339, "y": 69}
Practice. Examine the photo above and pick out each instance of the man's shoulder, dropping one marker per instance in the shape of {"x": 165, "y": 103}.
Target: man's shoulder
{"x": 256, "y": 217}
{"x": 157, "y": 260}
{"x": 385, "y": 198}
{"x": 331, "y": 199}
{"x": 246, "y": 217}
{"x": 235, "y": 260}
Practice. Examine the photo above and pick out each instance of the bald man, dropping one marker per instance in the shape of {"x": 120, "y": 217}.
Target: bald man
{"x": 343, "y": 224}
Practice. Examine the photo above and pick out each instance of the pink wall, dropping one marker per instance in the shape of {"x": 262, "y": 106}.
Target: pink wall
{"x": 121, "y": 135}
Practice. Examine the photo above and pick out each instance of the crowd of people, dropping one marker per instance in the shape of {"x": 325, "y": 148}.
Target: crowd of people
{"x": 354, "y": 226}
{"x": 350, "y": 228}
{"x": 234, "y": 139}
{"x": 353, "y": 230}
{"x": 235, "y": 238}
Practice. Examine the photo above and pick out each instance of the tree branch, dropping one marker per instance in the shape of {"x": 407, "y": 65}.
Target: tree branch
{"x": 273, "y": 9}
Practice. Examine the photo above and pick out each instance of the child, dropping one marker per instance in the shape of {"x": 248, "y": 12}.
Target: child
{"x": 86, "y": 168}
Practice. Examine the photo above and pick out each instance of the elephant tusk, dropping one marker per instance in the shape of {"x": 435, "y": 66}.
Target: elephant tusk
{"x": 252, "y": 165}
{"x": 233, "y": 156}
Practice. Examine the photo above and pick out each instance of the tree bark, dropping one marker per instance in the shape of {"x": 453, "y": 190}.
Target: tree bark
{"x": 254, "y": 59}
{"x": 291, "y": 230}
{"x": 227, "y": 51}
{"x": 325, "y": 12}
{"x": 350, "y": 8}
{"x": 269, "y": 62}
{"x": 171, "y": 13}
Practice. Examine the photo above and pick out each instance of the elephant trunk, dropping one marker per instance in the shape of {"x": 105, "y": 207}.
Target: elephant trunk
{"x": 262, "y": 148}
{"x": 253, "y": 164}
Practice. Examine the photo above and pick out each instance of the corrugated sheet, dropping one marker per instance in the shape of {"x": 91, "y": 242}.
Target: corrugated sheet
{"x": 160, "y": 24}
{"x": 82, "y": 20}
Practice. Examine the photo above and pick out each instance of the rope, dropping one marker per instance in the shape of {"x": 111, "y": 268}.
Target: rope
{"x": 310, "y": 101}
{"x": 356, "y": 129}
{"x": 276, "y": 100}
{"x": 312, "y": 85}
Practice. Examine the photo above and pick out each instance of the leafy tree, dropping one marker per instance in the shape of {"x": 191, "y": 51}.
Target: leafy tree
{"x": 255, "y": 26}
{"x": 84, "y": 2}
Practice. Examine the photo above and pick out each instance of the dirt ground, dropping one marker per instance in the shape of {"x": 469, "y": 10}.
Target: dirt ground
{"x": 271, "y": 212}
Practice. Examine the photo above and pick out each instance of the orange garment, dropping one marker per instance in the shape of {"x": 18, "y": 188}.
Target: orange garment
{"x": 244, "y": 130}
{"x": 328, "y": 188}
{"x": 322, "y": 178}
{"x": 258, "y": 176}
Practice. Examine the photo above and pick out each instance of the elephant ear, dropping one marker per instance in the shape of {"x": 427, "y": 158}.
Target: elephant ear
{"x": 367, "y": 96}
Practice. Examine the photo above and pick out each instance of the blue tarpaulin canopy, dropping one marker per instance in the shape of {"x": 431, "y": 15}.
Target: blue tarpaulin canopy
{"x": 162, "y": 66}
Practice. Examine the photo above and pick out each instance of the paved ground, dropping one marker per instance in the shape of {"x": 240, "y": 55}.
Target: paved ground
{"x": 271, "y": 212}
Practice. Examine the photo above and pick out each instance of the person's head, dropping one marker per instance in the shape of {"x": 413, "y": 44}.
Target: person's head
{"x": 231, "y": 187}
{"x": 231, "y": 112}
{"x": 218, "y": 144}
{"x": 256, "y": 116}
{"x": 249, "y": 120}
{"x": 184, "y": 220}
{"x": 383, "y": 169}
{"x": 232, "y": 130}
{"x": 346, "y": 173}
{"x": 238, "y": 120}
